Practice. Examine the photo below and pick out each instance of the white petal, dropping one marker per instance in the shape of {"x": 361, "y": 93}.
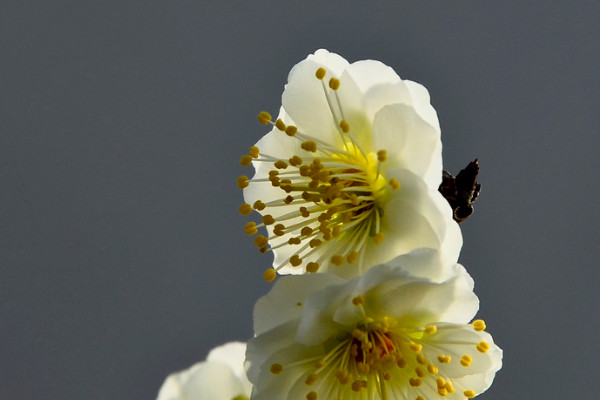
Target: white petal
{"x": 410, "y": 142}
{"x": 221, "y": 377}
{"x": 304, "y": 98}
{"x": 422, "y": 104}
{"x": 285, "y": 301}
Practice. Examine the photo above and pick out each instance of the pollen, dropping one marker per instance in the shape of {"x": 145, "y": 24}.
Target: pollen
{"x": 264, "y": 117}
{"x": 279, "y": 124}
{"x": 334, "y": 83}
{"x": 479, "y": 325}
{"x": 466, "y": 360}
{"x": 379, "y": 237}
{"x": 344, "y": 126}
{"x": 312, "y": 267}
{"x": 254, "y": 152}
{"x": 430, "y": 329}
{"x": 381, "y": 155}
{"x": 320, "y": 74}
{"x": 259, "y": 205}
{"x": 250, "y": 228}
{"x": 246, "y": 160}
{"x": 291, "y": 130}
{"x": 483, "y": 347}
{"x": 337, "y": 260}
{"x": 394, "y": 184}
{"x": 245, "y": 209}
{"x": 311, "y": 396}
{"x": 309, "y": 145}
{"x": 242, "y": 182}
{"x": 270, "y": 275}
{"x": 416, "y": 382}
{"x": 276, "y": 368}
{"x": 358, "y": 300}
{"x": 444, "y": 359}
{"x": 469, "y": 394}
{"x": 311, "y": 379}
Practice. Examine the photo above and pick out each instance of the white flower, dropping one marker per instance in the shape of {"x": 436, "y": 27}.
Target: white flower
{"x": 348, "y": 176}
{"x": 220, "y": 377}
{"x": 384, "y": 335}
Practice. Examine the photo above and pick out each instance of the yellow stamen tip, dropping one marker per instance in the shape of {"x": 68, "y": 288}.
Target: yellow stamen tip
{"x": 337, "y": 260}
{"x": 250, "y": 228}
{"x": 352, "y": 257}
{"x": 311, "y": 379}
{"x": 320, "y": 74}
{"x": 245, "y": 209}
{"x": 312, "y": 267}
{"x": 309, "y": 145}
{"x": 280, "y": 164}
{"x": 261, "y": 241}
{"x": 431, "y": 329}
{"x": 259, "y": 205}
{"x": 483, "y": 347}
{"x": 246, "y": 160}
{"x": 344, "y": 126}
{"x": 276, "y": 368}
{"x": 334, "y": 83}
{"x": 268, "y": 219}
{"x": 394, "y": 184}
{"x": 279, "y": 124}
{"x": 415, "y": 382}
{"x": 444, "y": 359}
{"x": 295, "y": 260}
{"x": 254, "y": 152}
{"x": 291, "y": 130}
{"x": 242, "y": 182}
{"x": 479, "y": 325}
{"x": 466, "y": 360}
{"x": 469, "y": 394}
{"x": 270, "y": 276}
{"x": 311, "y": 396}
{"x": 358, "y": 300}
{"x": 381, "y": 155}
{"x": 264, "y": 117}
{"x": 379, "y": 237}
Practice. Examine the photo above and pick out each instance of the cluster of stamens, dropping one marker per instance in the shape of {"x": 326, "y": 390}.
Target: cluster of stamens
{"x": 381, "y": 357}
{"x": 331, "y": 193}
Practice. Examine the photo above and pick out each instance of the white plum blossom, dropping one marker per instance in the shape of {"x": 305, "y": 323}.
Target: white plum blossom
{"x": 220, "y": 377}
{"x": 383, "y": 335}
{"x": 348, "y": 177}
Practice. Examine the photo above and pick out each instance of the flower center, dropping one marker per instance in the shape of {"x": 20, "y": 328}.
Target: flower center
{"x": 329, "y": 193}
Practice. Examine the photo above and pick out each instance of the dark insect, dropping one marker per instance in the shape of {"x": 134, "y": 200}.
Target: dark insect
{"x": 461, "y": 191}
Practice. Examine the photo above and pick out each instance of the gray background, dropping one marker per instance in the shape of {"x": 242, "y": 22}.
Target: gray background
{"x": 121, "y": 249}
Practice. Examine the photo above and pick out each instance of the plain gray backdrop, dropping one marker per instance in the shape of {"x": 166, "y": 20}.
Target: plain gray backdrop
{"x": 122, "y": 252}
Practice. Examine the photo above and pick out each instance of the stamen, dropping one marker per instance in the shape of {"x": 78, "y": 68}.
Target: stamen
{"x": 264, "y": 117}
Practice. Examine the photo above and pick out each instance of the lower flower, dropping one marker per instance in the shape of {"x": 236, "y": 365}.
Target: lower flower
{"x": 384, "y": 335}
{"x": 220, "y": 377}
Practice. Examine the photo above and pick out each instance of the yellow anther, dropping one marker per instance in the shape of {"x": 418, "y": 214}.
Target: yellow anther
{"x": 444, "y": 359}
{"x": 320, "y": 74}
{"x": 268, "y": 219}
{"x": 279, "y": 124}
{"x": 242, "y": 182}
{"x": 254, "y": 152}
{"x": 246, "y": 160}
{"x": 264, "y": 117}
{"x": 311, "y": 396}
{"x": 304, "y": 212}
{"x": 259, "y": 205}
{"x": 479, "y": 325}
{"x": 441, "y": 382}
{"x": 416, "y": 382}
{"x": 270, "y": 276}
{"x": 306, "y": 231}
{"x": 314, "y": 243}
{"x": 334, "y": 83}
{"x": 433, "y": 370}
{"x": 394, "y": 184}
{"x": 288, "y": 199}
{"x": 311, "y": 379}
{"x": 276, "y": 368}
{"x": 291, "y": 130}
{"x": 431, "y": 329}
{"x": 358, "y": 300}
{"x": 466, "y": 360}
{"x": 449, "y": 387}
{"x": 469, "y": 394}
{"x": 295, "y": 161}
{"x": 279, "y": 229}
{"x": 442, "y": 391}
{"x": 419, "y": 371}
{"x": 337, "y": 260}
{"x": 483, "y": 347}
{"x": 416, "y": 347}
{"x": 344, "y": 126}
{"x": 295, "y": 260}
{"x": 280, "y": 164}
{"x": 261, "y": 241}
{"x": 352, "y": 257}
{"x": 381, "y": 155}
{"x": 245, "y": 209}
{"x": 309, "y": 145}
{"x": 357, "y": 385}
{"x": 343, "y": 376}
{"x": 294, "y": 241}
{"x": 250, "y": 228}
{"x": 401, "y": 363}
{"x": 379, "y": 237}
{"x": 312, "y": 267}
{"x": 420, "y": 398}
{"x": 421, "y": 359}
